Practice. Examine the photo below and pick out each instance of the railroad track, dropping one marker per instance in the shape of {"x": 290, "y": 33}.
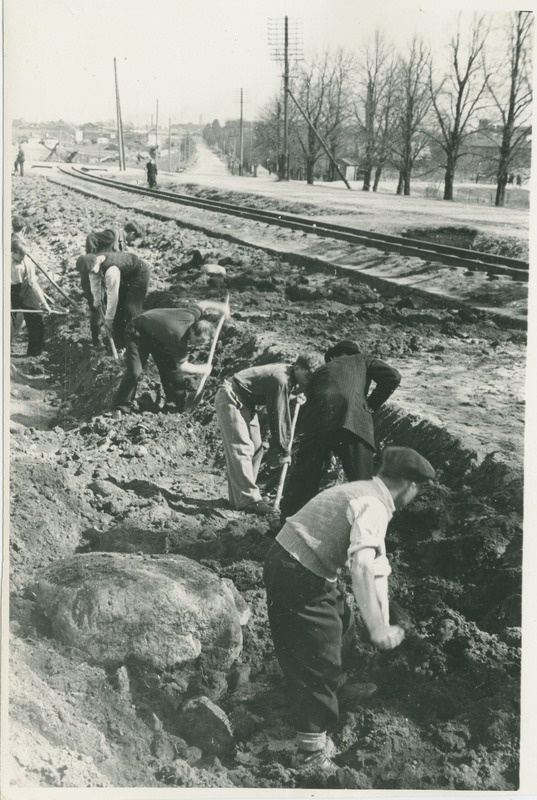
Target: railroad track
{"x": 429, "y": 251}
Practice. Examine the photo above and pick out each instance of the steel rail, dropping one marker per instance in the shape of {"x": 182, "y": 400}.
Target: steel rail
{"x": 430, "y": 251}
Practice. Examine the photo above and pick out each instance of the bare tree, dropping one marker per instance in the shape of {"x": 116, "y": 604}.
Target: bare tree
{"x": 513, "y": 95}
{"x": 373, "y": 106}
{"x": 459, "y": 97}
{"x": 413, "y": 102}
{"x": 322, "y": 90}
{"x": 339, "y": 103}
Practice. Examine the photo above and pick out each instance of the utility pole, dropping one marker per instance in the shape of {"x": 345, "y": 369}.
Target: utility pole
{"x": 285, "y": 44}
{"x": 285, "y": 166}
{"x": 120, "y": 144}
{"x": 240, "y": 95}
{"x": 169, "y": 144}
{"x": 156, "y": 135}
{"x": 241, "y": 139}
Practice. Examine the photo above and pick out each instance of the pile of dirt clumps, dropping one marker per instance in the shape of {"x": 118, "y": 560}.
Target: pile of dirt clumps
{"x": 148, "y": 489}
{"x": 472, "y": 239}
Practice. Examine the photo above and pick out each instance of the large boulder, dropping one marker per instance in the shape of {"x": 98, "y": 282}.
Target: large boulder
{"x": 162, "y": 611}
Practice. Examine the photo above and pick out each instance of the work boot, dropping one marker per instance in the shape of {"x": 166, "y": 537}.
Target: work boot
{"x": 307, "y": 760}
{"x": 352, "y": 695}
{"x": 260, "y": 508}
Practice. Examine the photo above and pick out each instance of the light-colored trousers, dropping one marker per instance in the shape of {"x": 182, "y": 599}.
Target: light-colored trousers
{"x": 242, "y": 446}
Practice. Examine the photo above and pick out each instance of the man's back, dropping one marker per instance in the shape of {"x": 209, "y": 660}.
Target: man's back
{"x": 337, "y": 395}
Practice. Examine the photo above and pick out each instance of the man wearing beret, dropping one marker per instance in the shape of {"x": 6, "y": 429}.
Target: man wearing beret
{"x": 311, "y": 625}
{"x": 337, "y": 418}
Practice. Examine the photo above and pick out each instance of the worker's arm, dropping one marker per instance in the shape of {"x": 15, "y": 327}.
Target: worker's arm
{"x": 213, "y": 305}
{"x": 112, "y": 280}
{"x": 31, "y": 277}
{"x": 364, "y": 587}
{"x": 280, "y": 420}
{"x": 369, "y": 569}
{"x": 196, "y": 369}
{"x": 95, "y": 280}
{"x": 386, "y": 378}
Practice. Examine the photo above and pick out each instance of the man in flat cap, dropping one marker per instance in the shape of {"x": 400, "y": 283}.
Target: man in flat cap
{"x": 337, "y": 418}
{"x": 311, "y": 625}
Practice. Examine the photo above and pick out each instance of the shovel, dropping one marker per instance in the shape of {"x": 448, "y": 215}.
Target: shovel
{"x": 110, "y": 337}
{"x": 194, "y": 398}
{"x": 300, "y": 400}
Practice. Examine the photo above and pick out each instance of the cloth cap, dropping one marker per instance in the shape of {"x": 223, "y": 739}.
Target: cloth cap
{"x": 346, "y": 347}
{"x": 403, "y": 462}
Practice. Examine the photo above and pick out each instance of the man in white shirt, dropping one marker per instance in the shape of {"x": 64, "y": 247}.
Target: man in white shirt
{"x": 126, "y": 282}
{"x": 311, "y": 624}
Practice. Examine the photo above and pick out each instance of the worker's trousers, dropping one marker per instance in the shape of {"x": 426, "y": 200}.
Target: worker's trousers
{"x": 140, "y": 345}
{"x": 313, "y": 632}
{"x": 307, "y": 472}
{"x": 34, "y": 322}
{"x": 239, "y": 426}
{"x": 132, "y": 293}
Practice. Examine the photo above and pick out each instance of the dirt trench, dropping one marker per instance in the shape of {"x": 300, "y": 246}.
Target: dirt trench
{"x": 446, "y": 713}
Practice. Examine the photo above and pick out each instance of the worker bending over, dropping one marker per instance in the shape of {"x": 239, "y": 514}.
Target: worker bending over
{"x": 311, "y": 625}
{"x": 113, "y": 240}
{"x": 126, "y": 280}
{"x": 166, "y": 334}
{"x": 338, "y": 419}
{"x": 269, "y": 385}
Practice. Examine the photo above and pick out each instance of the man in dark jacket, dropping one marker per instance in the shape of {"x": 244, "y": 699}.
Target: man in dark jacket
{"x": 338, "y": 419}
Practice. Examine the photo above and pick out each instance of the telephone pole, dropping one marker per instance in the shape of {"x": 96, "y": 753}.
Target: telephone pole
{"x": 284, "y": 41}
{"x": 241, "y": 95}
{"x": 156, "y": 134}
{"x": 120, "y": 142}
{"x": 169, "y": 144}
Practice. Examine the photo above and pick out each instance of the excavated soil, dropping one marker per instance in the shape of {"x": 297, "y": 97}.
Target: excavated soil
{"x": 446, "y": 714}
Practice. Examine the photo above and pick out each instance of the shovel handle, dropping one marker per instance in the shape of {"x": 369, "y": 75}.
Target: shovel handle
{"x": 110, "y": 337}
{"x": 285, "y": 467}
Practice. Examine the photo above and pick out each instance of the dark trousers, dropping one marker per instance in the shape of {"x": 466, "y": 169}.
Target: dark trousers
{"x": 313, "y": 632}
{"x": 140, "y": 345}
{"x": 34, "y": 323}
{"x": 95, "y": 317}
{"x": 307, "y": 472}
{"x": 132, "y": 293}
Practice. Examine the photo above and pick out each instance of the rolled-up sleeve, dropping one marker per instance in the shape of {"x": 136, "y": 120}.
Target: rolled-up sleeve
{"x": 369, "y": 518}
{"x": 280, "y": 416}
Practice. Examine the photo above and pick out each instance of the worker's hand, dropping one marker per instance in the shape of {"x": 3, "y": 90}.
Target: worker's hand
{"x": 45, "y": 308}
{"x": 386, "y": 637}
{"x": 300, "y": 399}
{"x": 226, "y": 310}
{"x": 205, "y": 370}
{"x": 285, "y": 458}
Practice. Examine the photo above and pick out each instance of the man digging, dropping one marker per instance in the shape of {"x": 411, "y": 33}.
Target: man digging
{"x": 166, "y": 334}
{"x": 311, "y": 625}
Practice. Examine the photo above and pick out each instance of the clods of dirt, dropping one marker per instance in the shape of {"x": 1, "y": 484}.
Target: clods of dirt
{"x": 148, "y": 486}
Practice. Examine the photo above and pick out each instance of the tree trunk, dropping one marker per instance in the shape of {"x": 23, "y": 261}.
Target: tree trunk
{"x": 399, "y": 189}
{"x": 500, "y": 190}
{"x": 407, "y": 184}
{"x": 378, "y": 173}
{"x": 310, "y": 166}
{"x": 449, "y": 179}
{"x": 367, "y": 179}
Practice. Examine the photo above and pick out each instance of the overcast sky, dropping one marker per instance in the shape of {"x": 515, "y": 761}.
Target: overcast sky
{"x": 191, "y": 55}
